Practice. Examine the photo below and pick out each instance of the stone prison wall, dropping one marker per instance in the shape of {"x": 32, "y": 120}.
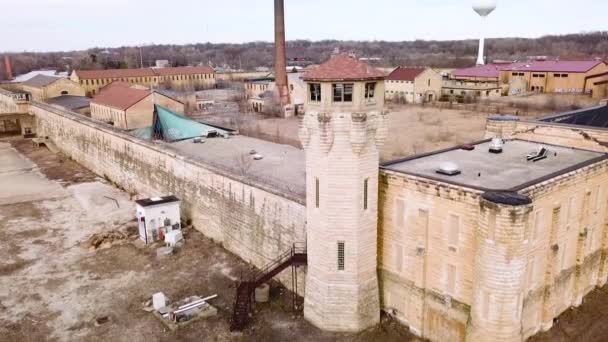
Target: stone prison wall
{"x": 251, "y": 220}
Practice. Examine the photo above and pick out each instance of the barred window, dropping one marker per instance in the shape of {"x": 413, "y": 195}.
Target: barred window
{"x": 340, "y": 255}
{"x": 370, "y": 89}
{"x": 315, "y": 92}
{"x": 365, "y": 183}
{"x": 343, "y": 92}
{"x": 317, "y": 192}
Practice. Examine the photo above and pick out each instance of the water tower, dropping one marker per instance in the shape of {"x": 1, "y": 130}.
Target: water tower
{"x": 483, "y": 8}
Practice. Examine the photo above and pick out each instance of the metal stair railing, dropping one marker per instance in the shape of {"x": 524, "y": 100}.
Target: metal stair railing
{"x": 294, "y": 257}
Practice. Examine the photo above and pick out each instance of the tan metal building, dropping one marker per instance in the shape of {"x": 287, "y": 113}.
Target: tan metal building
{"x": 553, "y": 76}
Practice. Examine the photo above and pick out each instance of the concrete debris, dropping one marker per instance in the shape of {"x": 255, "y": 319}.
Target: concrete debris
{"x": 159, "y": 300}
{"x": 164, "y": 252}
{"x": 109, "y": 238}
{"x": 186, "y": 311}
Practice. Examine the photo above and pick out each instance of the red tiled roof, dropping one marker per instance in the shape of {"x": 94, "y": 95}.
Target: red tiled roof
{"x": 119, "y": 96}
{"x": 343, "y": 67}
{"x": 145, "y": 72}
{"x": 551, "y": 66}
{"x": 405, "y": 73}
{"x": 482, "y": 71}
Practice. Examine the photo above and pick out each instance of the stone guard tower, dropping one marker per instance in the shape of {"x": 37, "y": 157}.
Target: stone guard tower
{"x": 343, "y": 126}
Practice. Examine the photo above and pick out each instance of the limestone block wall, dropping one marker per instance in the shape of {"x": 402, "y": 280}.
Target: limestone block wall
{"x": 500, "y": 262}
{"x": 507, "y": 272}
{"x": 254, "y": 221}
{"x": 426, "y": 240}
{"x": 567, "y": 244}
{"x": 589, "y": 138}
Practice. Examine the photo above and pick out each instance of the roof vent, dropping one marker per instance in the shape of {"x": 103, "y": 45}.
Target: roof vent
{"x": 448, "y": 169}
{"x": 496, "y": 145}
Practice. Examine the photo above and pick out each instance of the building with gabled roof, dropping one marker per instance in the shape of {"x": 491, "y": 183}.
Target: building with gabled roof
{"x": 413, "y": 85}
{"x": 552, "y": 76}
{"x": 43, "y": 87}
{"x": 194, "y": 77}
{"x": 129, "y": 107}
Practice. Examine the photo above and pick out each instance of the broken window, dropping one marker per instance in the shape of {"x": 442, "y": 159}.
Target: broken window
{"x": 370, "y": 88}
{"x": 340, "y": 255}
{"x": 343, "y": 92}
{"x": 315, "y": 92}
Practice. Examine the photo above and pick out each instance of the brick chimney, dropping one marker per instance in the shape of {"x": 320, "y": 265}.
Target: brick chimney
{"x": 280, "y": 63}
{"x": 8, "y": 68}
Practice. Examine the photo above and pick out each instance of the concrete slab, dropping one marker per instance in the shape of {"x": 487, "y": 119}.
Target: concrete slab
{"x": 20, "y": 181}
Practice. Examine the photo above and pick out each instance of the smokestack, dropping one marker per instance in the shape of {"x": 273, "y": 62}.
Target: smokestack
{"x": 280, "y": 63}
{"x": 8, "y": 68}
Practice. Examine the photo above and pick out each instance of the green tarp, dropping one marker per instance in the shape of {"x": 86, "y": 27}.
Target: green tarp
{"x": 170, "y": 126}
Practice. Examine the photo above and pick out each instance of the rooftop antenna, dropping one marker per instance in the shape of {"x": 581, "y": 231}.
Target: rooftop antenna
{"x": 483, "y": 8}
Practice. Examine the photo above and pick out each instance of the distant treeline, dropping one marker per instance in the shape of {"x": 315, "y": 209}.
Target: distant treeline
{"x": 250, "y": 55}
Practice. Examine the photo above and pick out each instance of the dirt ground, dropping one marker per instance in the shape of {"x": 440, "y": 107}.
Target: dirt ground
{"x": 54, "y": 285}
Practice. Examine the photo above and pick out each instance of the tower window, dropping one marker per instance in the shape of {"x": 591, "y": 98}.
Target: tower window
{"x": 343, "y": 92}
{"x": 317, "y": 192}
{"x": 315, "y": 92}
{"x": 370, "y": 89}
{"x": 365, "y": 183}
{"x": 340, "y": 255}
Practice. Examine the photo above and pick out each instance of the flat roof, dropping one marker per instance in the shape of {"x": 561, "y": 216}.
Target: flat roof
{"x": 282, "y": 167}
{"x": 487, "y": 171}
{"x": 146, "y": 202}
{"x": 591, "y": 117}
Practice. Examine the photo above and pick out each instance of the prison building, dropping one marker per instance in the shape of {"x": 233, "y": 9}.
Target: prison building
{"x": 200, "y": 77}
{"x": 480, "y": 245}
{"x": 480, "y": 81}
{"x": 413, "y": 85}
{"x": 43, "y": 87}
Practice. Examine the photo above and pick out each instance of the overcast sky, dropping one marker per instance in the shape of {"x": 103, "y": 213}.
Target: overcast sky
{"x": 53, "y": 25}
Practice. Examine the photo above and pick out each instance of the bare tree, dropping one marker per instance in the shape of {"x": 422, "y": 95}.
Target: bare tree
{"x": 243, "y": 161}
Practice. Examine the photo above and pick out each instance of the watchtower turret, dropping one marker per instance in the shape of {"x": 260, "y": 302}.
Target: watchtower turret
{"x": 341, "y": 131}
